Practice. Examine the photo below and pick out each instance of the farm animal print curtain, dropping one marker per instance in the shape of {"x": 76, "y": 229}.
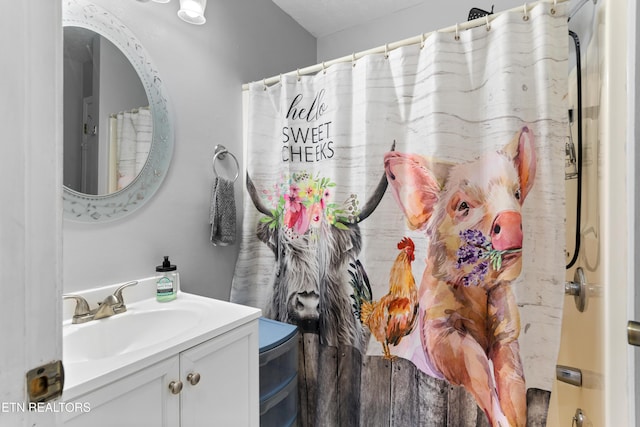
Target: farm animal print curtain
{"x": 406, "y": 212}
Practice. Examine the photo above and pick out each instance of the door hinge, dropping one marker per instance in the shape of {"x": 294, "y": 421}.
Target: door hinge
{"x": 45, "y": 382}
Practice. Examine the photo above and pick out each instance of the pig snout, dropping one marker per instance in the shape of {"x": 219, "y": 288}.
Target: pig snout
{"x": 506, "y": 231}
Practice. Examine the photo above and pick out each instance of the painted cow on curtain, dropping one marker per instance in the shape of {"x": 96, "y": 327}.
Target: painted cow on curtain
{"x": 469, "y": 319}
{"x": 314, "y": 241}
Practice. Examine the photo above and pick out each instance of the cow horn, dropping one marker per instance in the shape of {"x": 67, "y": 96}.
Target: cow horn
{"x": 376, "y": 198}
{"x": 255, "y": 198}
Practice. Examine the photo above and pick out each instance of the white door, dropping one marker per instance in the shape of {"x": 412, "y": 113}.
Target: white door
{"x": 31, "y": 213}
{"x": 620, "y": 189}
{"x": 634, "y": 195}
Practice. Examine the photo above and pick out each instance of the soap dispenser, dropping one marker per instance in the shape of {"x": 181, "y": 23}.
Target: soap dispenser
{"x": 167, "y": 284}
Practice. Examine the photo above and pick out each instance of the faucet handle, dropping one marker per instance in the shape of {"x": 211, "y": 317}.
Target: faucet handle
{"x": 82, "y": 312}
{"x": 118, "y": 292}
{"x": 82, "y": 306}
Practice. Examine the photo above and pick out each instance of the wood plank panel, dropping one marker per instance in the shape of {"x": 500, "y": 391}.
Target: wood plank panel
{"x": 483, "y": 421}
{"x": 327, "y": 395}
{"x": 340, "y": 387}
{"x": 462, "y": 410}
{"x": 308, "y": 378}
{"x": 375, "y": 392}
{"x": 537, "y": 407}
{"x": 434, "y": 401}
{"x": 349, "y": 380}
{"x": 405, "y": 393}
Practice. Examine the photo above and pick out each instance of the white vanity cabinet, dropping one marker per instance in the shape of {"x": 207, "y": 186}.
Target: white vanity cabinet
{"x": 220, "y": 380}
{"x": 214, "y": 383}
{"x": 140, "y": 399}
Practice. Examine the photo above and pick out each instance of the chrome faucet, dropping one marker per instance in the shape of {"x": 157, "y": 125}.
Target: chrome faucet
{"x": 111, "y": 305}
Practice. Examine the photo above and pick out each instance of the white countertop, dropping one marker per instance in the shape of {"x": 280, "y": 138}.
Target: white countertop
{"x": 214, "y": 319}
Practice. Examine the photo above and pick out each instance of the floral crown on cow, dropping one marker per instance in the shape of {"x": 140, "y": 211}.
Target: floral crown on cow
{"x": 300, "y": 202}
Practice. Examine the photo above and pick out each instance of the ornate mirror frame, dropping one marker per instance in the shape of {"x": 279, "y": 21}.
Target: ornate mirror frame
{"x": 97, "y": 208}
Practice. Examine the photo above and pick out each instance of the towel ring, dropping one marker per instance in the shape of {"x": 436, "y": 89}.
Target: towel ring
{"x": 220, "y": 152}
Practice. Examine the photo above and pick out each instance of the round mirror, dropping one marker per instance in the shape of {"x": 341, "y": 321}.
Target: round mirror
{"x": 118, "y": 139}
{"x": 107, "y": 121}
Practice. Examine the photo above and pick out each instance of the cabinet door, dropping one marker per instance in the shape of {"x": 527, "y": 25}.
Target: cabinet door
{"x": 141, "y": 399}
{"x": 226, "y": 393}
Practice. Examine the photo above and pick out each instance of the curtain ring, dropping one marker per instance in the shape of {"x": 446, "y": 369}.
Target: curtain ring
{"x": 526, "y": 13}
{"x": 457, "y": 36}
{"x": 488, "y": 24}
{"x": 324, "y": 68}
{"x": 353, "y": 59}
{"x": 264, "y": 83}
{"x": 553, "y": 9}
{"x": 422, "y": 36}
{"x": 386, "y": 51}
{"x": 298, "y": 74}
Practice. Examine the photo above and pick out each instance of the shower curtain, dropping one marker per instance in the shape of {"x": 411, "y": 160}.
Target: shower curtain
{"x": 130, "y": 142}
{"x": 406, "y": 211}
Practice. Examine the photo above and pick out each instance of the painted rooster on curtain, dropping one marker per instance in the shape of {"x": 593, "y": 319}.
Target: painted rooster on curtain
{"x": 394, "y": 316}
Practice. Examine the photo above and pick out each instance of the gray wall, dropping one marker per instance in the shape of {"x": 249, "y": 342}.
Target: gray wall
{"x": 202, "y": 68}
{"x": 120, "y": 86}
{"x": 120, "y": 90}
{"x": 410, "y": 22}
{"x": 73, "y": 79}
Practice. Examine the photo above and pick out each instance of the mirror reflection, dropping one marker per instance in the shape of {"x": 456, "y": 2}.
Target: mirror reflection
{"x": 107, "y": 121}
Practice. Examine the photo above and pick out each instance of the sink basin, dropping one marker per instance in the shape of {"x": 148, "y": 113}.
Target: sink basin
{"x": 101, "y": 351}
{"x": 124, "y": 333}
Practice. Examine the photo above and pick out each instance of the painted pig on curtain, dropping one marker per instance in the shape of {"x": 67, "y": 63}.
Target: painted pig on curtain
{"x": 469, "y": 319}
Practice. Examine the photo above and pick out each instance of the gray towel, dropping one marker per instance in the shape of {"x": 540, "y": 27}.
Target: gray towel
{"x": 222, "y": 215}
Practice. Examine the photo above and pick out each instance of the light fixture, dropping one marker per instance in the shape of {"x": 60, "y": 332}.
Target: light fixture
{"x": 192, "y": 11}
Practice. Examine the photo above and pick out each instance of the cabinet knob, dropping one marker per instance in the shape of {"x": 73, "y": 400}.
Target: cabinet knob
{"x": 193, "y": 378}
{"x": 175, "y": 387}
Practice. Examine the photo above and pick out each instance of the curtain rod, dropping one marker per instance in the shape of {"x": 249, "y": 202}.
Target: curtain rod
{"x": 484, "y": 20}
{"x": 133, "y": 110}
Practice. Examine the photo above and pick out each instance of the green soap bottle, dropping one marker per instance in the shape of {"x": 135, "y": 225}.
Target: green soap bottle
{"x": 167, "y": 284}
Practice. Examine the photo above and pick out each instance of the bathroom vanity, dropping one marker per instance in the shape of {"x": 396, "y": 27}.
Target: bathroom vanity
{"x": 189, "y": 362}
